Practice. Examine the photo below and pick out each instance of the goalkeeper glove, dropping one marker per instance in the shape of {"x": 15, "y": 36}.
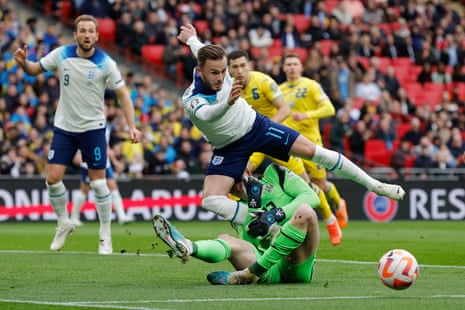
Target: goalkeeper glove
{"x": 263, "y": 222}
{"x": 254, "y": 191}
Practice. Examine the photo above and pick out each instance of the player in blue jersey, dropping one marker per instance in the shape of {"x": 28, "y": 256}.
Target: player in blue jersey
{"x": 214, "y": 105}
{"x": 84, "y": 71}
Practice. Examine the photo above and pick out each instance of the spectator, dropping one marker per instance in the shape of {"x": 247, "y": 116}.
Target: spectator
{"x": 400, "y": 155}
{"x": 358, "y": 137}
{"x": 259, "y": 36}
{"x": 173, "y": 54}
{"x": 407, "y": 49}
{"x": 315, "y": 31}
{"x": 386, "y": 131}
{"x": 334, "y": 30}
{"x": 99, "y": 9}
{"x": 424, "y": 161}
{"x": 458, "y": 74}
{"x": 124, "y": 30}
{"x": 444, "y": 160}
{"x": 367, "y": 88}
{"x": 390, "y": 48}
{"x": 391, "y": 82}
{"x": 342, "y": 14}
{"x": 425, "y": 74}
{"x": 407, "y": 105}
{"x": 290, "y": 37}
{"x": 343, "y": 79}
{"x": 340, "y": 130}
{"x": 138, "y": 38}
{"x": 441, "y": 76}
{"x": 456, "y": 143}
{"x": 415, "y": 133}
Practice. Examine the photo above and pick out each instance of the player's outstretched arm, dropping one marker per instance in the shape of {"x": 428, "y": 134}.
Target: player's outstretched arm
{"x": 188, "y": 35}
{"x": 31, "y": 68}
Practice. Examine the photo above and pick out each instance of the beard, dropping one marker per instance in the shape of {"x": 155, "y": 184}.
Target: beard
{"x": 84, "y": 48}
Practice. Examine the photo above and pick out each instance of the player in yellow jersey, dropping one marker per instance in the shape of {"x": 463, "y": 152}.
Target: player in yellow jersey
{"x": 264, "y": 95}
{"x": 309, "y": 103}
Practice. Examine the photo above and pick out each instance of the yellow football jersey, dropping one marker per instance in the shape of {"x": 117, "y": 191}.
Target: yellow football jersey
{"x": 307, "y": 96}
{"x": 260, "y": 92}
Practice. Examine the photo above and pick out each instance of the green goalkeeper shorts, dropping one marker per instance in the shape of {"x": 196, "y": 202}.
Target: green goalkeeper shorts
{"x": 284, "y": 272}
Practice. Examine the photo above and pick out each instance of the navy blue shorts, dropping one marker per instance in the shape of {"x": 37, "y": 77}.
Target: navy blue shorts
{"x": 109, "y": 174}
{"x": 265, "y": 136}
{"x": 93, "y": 146}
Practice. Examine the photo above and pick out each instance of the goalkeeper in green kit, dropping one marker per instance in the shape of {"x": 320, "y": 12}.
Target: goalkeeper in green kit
{"x": 276, "y": 244}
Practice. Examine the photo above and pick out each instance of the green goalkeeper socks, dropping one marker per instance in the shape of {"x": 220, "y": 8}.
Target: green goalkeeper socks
{"x": 286, "y": 241}
{"x": 211, "y": 251}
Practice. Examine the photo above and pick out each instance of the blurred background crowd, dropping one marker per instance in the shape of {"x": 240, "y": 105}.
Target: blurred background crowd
{"x": 394, "y": 70}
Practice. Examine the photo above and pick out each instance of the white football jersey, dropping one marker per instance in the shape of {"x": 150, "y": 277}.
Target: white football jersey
{"x": 229, "y": 123}
{"x": 82, "y": 87}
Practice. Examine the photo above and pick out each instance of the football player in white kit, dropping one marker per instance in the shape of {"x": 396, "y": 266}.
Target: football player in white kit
{"x": 84, "y": 71}
{"x": 213, "y": 104}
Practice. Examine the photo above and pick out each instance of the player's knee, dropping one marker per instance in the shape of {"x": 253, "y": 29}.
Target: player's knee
{"x": 57, "y": 188}
{"x": 304, "y": 214}
{"x": 100, "y": 187}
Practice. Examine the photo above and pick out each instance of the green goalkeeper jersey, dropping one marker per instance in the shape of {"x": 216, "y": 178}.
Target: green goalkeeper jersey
{"x": 281, "y": 189}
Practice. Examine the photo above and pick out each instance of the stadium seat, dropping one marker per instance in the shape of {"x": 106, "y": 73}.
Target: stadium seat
{"x": 376, "y": 152}
{"x": 201, "y": 26}
{"x": 384, "y": 63}
{"x": 331, "y": 5}
{"x": 153, "y": 53}
{"x": 401, "y": 129}
{"x": 402, "y": 62}
{"x": 413, "y": 88}
{"x": 277, "y": 43}
{"x": 460, "y": 87}
{"x": 66, "y": 11}
{"x": 434, "y": 92}
{"x": 107, "y": 29}
{"x": 364, "y": 61}
{"x": 325, "y": 46}
{"x": 300, "y": 51}
{"x": 386, "y": 28}
{"x": 433, "y": 87}
{"x": 301, "y": 22}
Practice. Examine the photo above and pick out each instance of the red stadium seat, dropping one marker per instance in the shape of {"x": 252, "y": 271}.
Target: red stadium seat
{"x": 325, "y": 46}
{"x": 377, "y": 152}
{"x": 364, "y": 61}
{"x": 384, "y": 63}
{"x": 153, "y": 53}
{"x": 66, "y": 11}
{"x": 402, "y": 128}
{"x": 301, "y": 22}
{"x": 201, "y": 26}
{"x": 460, "y": 86}
{"x": 299, "y": 51}
{"x": 107, "y": 29}
{"x": 402, "y": 62}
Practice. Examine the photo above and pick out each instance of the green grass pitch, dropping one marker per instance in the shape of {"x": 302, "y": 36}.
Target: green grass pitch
{"x": 140, "y": 275}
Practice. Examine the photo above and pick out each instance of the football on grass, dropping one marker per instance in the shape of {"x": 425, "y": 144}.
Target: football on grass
{"x": 398, "y": 269}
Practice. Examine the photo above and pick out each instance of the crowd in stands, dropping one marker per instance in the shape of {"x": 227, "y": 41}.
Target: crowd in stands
{"x": 394, "y": 70}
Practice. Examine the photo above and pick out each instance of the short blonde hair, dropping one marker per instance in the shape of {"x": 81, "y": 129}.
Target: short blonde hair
{"x": 84, "y": 17}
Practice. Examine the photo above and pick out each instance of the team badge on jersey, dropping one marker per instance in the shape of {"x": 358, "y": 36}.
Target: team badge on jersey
{"x": 217, "y": 160}
{"x": 90, "y": 75}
